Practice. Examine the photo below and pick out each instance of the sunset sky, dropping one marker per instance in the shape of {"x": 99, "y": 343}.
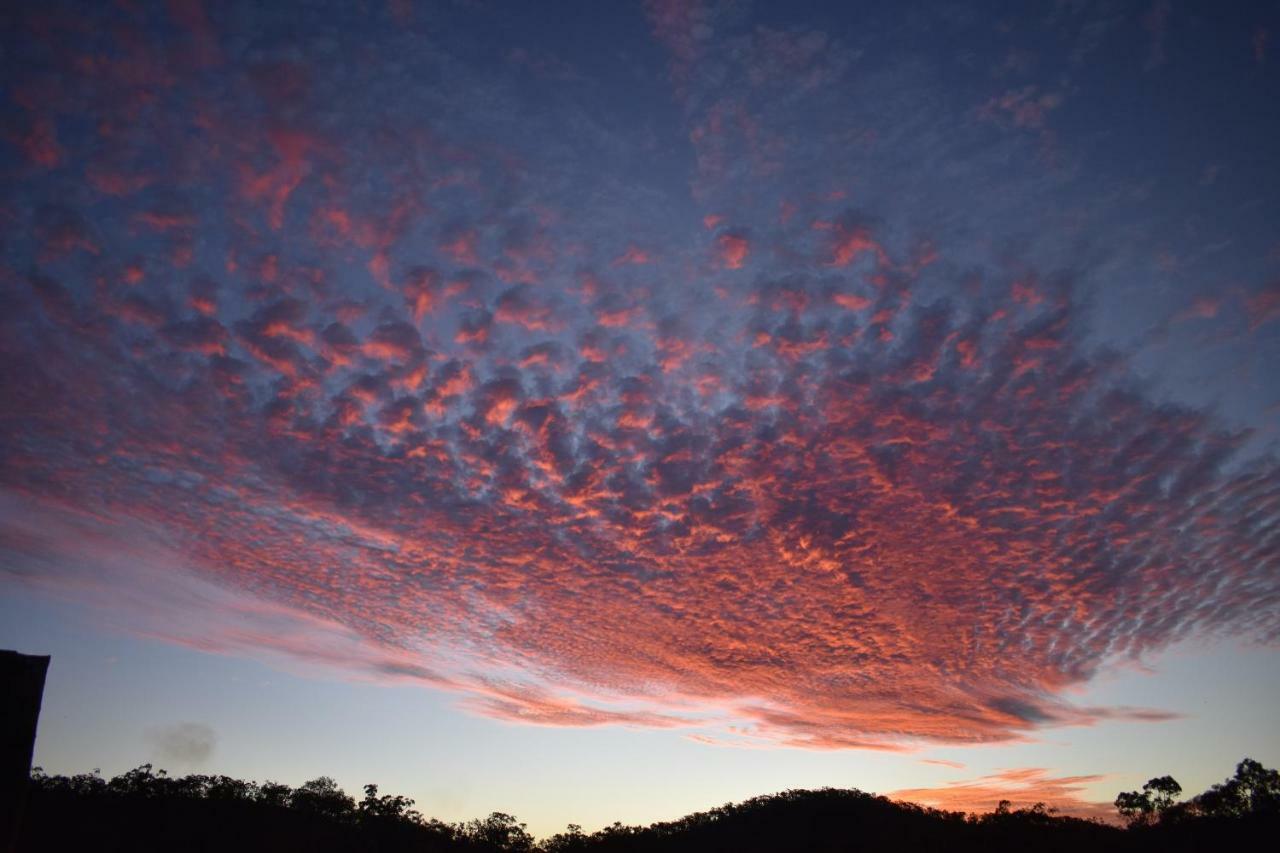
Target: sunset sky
{"x": 601, "y": 411}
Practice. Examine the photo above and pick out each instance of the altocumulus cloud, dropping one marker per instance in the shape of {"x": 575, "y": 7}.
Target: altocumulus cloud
{"x": 378, "y": 395}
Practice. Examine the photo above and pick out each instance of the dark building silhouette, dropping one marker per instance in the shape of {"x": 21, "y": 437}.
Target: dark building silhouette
{"x": 21, "y": 689}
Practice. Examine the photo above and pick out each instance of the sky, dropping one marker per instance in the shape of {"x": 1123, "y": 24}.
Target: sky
{"x": 600, "y": 412}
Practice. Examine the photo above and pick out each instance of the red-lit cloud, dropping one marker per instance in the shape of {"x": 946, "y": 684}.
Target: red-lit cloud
{"x": 859, "y": 543}
{"x": 732, "y": 249}
{"x": 416, "y": 398}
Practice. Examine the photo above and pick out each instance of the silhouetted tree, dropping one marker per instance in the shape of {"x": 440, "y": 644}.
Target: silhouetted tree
{"x": 571, "y": 840}
{"x": 1254, "y": 790}
{"x": 322, "y": 796}
{"x": 227, "y": 788}
{"x": 145, "y": 809}
{"x": 501, "y": 831}
{"x": 274, "y": 794}
{"x": 138, "y": 782}
{"x": 387, "y": 807}
{"x": 1142, "y": 808}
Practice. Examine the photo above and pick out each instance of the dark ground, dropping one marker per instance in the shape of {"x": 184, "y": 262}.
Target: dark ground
{"x": 142, "y": 811}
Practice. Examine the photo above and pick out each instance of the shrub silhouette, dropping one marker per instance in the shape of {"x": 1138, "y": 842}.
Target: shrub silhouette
{"x": 146, "y": 809}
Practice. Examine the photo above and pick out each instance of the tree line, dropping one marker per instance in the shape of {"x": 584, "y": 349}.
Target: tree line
{"x": 147, "y": 809}
{"x": 1253, "y": 791}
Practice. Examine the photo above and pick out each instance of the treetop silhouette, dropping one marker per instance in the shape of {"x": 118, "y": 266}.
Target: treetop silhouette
{"x": 146, "y": 809}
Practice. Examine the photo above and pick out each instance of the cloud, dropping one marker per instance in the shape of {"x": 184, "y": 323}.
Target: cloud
{"x": 182, "y": 744}
{"x": 1263, "y": 307}
{"x": 1022, "y": 787}
{"x": 398, "y": 412}
{"x": 1156, "y": 22}
{"x": 732, "y": 249}
{"x": 942, "y": 762}
{"x": 1024, "y": 108}
{"x": 1203, "y": 308}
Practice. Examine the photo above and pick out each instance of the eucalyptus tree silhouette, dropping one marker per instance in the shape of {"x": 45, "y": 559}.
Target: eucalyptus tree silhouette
{"x": 323, "y": 797}
{"x": 1254, "y": 790}
{"x": 501, "y": 831}
{"x": 1142, "y": 808}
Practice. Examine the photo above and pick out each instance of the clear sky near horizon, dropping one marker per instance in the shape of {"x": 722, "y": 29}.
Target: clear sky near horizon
{"x": 601, "y": 412}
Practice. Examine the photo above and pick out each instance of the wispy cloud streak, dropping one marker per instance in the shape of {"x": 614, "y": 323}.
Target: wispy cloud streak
{"x": 1022, "y": 788}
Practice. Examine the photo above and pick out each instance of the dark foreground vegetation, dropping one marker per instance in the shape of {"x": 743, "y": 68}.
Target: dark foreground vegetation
{"x": 142, "y": 810}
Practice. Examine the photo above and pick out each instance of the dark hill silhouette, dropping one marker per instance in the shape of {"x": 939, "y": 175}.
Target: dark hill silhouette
{"x": 145, "y": 810}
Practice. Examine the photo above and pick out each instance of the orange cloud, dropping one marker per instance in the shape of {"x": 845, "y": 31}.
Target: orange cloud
{"x": 1023, "y": 788}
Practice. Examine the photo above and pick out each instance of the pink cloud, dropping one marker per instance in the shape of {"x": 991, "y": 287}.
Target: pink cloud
{"x": 1263, "y": 307}
{"x": 1022, "y": 787}
{"x": 633, "y": 256}
{"x": 732, "y": 250}
{"x": 808, "y": 503}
